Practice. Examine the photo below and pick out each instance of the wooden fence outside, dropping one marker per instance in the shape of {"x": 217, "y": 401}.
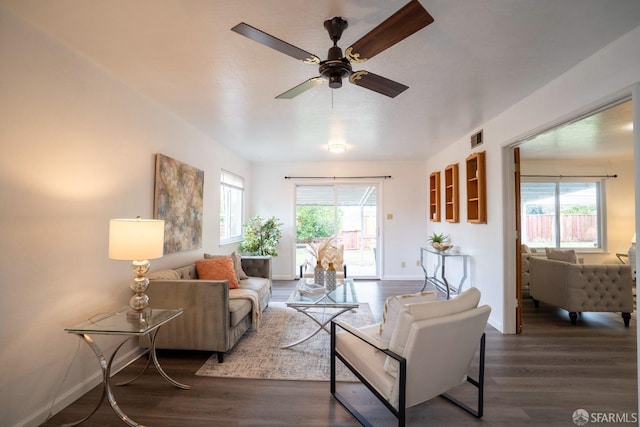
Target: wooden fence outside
{"x": 573, "y": 228}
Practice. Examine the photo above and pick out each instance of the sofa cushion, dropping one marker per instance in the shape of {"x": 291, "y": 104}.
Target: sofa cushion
{"x": 237, "y": 263}
{"x": 238, "y": 309}
{"x": 258, "y": 284}
{"x": 566, "y": 255}
{"x": 392, "y": 307}
{"x": 217, "y": 269}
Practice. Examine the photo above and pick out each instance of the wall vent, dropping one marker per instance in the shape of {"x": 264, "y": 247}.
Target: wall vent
{"x": 476, "y": 139}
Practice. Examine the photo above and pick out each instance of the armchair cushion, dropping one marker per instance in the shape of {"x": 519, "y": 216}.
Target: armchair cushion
{"x": 368, "y": 358}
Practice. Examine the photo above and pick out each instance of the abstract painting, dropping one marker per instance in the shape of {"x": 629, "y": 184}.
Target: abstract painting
{"x": 179, "y": 193}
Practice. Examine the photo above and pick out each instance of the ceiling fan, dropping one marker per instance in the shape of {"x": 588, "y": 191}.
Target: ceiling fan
{"x": 406, "y": 21}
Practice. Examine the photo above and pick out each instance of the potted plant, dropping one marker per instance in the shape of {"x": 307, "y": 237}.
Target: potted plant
{"x": 261, "y": 236}
{"x": 439, "y": 241}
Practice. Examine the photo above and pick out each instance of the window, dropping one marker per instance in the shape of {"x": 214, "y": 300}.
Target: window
{"x": 231, "y": 207}
{"x": 562, "y": 214}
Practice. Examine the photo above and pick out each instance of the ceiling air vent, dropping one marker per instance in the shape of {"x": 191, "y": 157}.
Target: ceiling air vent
{"x": 476, "y": 139}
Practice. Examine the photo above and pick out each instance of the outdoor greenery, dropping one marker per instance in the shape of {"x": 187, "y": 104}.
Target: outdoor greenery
{"x": 315, "y": 222}
{"x": 571, "y": 210}
{"x": 261, "y": 236}
{"x": 579, "y": 210}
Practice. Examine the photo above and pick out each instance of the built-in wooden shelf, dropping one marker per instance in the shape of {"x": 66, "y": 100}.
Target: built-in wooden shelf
{"x": 476, "y": 188}
{"x": 434, "y": 197}
{"x": 451, "y": 194}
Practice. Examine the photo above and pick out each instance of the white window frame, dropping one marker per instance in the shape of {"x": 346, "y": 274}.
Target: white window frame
{"x": 600, "y": 204}
{"x": 231, "y": 182}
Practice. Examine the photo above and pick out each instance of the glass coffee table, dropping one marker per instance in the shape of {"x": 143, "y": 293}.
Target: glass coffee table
{"x": 317, "y": 303}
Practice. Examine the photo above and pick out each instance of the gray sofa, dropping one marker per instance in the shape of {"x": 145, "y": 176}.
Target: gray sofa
{"x": 214, "y": 317}
{"x": 581, "y": 287}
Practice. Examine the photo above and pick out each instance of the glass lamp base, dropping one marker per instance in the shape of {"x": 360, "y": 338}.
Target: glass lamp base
{"x": 139, "y": 317}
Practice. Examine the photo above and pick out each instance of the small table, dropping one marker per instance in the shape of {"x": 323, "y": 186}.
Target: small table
{"x": 342, "y": 299}
{"x": 124, "y": 321}
{"x": 442, "y": 283}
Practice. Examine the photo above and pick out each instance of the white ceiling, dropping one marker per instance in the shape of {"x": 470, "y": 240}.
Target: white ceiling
{"x": 478, "y": 58}
{"x": 606, "y": 134}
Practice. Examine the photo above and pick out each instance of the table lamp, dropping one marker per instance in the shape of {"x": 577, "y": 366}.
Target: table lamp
{"x": 137, "y": 240}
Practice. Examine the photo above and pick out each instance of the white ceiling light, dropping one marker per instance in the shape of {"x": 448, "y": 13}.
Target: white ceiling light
{"x": 337, "y": 146}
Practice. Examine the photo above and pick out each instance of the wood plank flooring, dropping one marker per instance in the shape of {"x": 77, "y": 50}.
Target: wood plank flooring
{"x": 538, "y": 378}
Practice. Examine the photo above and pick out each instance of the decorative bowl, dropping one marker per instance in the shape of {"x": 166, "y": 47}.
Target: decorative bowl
{"x": 442, "y": 246}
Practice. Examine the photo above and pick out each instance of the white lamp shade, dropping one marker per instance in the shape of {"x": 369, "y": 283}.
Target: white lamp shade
{"x": 136, "y": 239}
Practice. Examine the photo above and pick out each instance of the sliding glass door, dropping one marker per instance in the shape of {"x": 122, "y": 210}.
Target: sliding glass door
{"x": 348, "y": 213}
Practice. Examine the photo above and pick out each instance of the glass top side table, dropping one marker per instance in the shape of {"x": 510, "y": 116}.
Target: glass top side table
{"x": 130, "y": 324}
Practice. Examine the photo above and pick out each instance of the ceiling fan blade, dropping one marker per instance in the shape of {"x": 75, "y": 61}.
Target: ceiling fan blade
{"x": 302, "y": 87}
{"x": 275, "y": 43}
{"x": 406, "y": 21}
{"x": 377, "y": 83}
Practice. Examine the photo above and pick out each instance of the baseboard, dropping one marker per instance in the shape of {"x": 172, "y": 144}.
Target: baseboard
{"x": 74, "y": 393}
{"x": 496, "y": 324}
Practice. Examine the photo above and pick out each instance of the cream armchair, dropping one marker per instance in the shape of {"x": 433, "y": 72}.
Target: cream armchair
{"x": 430, "y": 352}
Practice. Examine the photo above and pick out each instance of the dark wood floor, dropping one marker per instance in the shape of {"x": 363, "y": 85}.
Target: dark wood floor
{"x": 538, "y": 378}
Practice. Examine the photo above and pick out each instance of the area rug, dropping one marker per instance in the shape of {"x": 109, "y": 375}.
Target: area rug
{"x": 259, "y": 353}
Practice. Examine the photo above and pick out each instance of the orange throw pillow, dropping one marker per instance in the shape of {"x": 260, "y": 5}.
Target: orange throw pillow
{"x": 217, "y": 269}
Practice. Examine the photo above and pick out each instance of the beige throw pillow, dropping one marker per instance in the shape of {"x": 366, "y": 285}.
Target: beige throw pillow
{"x": 392, "y": 307}
{"x": 164, "y": 275}
{"x": 566, "y": 255}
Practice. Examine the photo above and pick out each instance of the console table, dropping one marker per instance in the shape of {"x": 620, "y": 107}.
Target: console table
{"x": 441, "y": 282}
{"x": 125, "y": 322}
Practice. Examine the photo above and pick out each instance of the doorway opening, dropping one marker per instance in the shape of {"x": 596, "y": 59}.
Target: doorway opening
{"x": 575, "y": 190}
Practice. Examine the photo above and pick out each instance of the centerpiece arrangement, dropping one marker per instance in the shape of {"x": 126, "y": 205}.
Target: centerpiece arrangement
{"x": 440, "y": 242}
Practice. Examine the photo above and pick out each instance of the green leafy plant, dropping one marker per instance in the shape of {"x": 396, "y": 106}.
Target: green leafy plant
{"x": 440, "y": 241}
{"x": 261, "y": 236}
{"x": 438, "y": 238}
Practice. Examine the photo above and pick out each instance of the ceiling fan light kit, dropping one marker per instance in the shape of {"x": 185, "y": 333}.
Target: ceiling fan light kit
{"x": 406, "y": 21}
